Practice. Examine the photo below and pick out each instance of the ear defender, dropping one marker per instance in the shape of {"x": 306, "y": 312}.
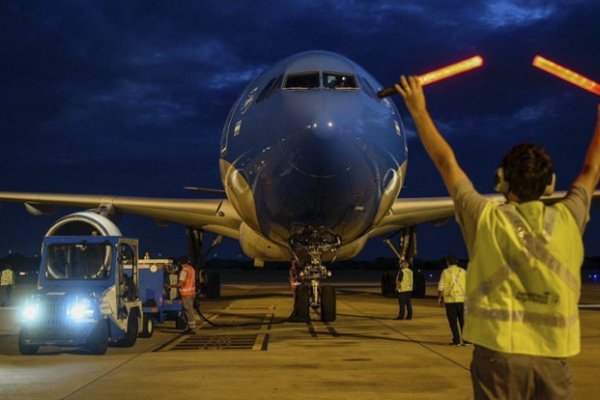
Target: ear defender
{"x": 550, "y": 186}
{"x": 502, "y": 185}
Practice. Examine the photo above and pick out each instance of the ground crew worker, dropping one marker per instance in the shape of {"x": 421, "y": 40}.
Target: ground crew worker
{"x": 523, "y": 280}
{"x": 295, "y": 275}
{"x": 404, "y": 287}
{"x": 451, "y": 295}
{"x": 7, "y": 281}
{"x": 187, "y": 291}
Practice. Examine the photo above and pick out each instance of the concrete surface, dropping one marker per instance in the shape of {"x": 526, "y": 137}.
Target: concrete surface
{"x": 364, "y": 354}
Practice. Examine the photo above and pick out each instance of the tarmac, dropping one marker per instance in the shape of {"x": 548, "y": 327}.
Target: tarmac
{"x": 365, "y": 354}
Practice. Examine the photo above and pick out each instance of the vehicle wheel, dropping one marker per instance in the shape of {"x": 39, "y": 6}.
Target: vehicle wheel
{"x": 26, "y": 349}
{"x": 328, "y": 304}
{"x": 132, "y": 330}
{"x": 301, "y": 305}
{"x": 98, "y": 339}
{"x": 148, "y": 326}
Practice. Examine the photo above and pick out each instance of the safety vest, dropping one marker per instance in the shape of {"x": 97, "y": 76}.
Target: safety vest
{"x": 523, "y": 280}
{"x": 189, "y": 285}
{"x": 454, "y": 284}
{"x": 8, "y": 278}
{"x": 406, "y": 284}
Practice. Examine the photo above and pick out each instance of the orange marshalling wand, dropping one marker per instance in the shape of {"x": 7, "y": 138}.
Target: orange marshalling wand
{"x": 450, "y": 70}
{"x": 566, "y": 74}
{"x": 439, "y": 74}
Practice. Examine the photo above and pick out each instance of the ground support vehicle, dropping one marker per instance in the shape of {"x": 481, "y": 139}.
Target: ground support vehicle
{"x": 159, "y": 304}
{"x": 85, "y": 296}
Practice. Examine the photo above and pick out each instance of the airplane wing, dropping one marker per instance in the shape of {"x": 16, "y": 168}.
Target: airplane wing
{"x": 437, "y": 211}
{"x": 216, "y": 215}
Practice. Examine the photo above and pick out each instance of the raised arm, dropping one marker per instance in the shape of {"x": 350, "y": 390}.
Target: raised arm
{"x": 590, "y": 173}
{"x": 436, "y": 146}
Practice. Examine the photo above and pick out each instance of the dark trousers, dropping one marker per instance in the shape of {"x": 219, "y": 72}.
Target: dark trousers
{"x": 405, "y": 304}
{"x": 502, "y": 376}
{"x": 456, "y": 317}
{"x": 5, "y": 295}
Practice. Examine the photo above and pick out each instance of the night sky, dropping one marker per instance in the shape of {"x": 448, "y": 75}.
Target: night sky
{"x": 129, "y": 98}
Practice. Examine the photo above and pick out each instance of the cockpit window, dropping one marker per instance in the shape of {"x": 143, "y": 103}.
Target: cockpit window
{"x": 269, "y": 88}
{"x": 304, "y": 80}
{"x": 336, "y": 80}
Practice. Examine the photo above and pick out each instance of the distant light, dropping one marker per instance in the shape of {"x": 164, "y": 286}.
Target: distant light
{"x": 330, "y": 124}
{"x": 568, "y": 75}
{"x": 450, "y": 70}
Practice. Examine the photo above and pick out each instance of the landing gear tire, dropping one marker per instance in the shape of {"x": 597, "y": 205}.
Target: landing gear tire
{"x": 26, "y": 349}
{"x": 328, "y": 304}
{"x": 388, "y": 285}
{"x": 132, "y": 330}
{"x": 98, "y": 339}
{"x": 301, "y": 305}
{"x": 213, "y": 289}
{"x": 419, "y": 284}
{"x": 147, "y": 327}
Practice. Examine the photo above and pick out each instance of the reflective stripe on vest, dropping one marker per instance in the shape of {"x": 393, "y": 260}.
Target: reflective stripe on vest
{"x": 454, "y": 284}
{"x": 523, "y": 287}
{"x": 406, "y": 284}
{"x": 189, "y": 285}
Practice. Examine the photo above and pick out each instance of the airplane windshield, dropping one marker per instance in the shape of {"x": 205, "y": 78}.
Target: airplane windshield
{"x": 304, "y": 80}
{"x": 334, "y": 80}
{"x": 76, "y": 261}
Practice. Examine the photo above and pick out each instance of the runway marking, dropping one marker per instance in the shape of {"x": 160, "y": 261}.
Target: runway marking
{"x": 217, "y": 342}
{"x": 207, "y": 339}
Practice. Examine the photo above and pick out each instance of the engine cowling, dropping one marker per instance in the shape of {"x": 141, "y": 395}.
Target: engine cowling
{"x": 84, "y": 223}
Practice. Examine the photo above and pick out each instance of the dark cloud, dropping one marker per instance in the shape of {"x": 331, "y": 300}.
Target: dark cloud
{"x": 130, "y": 97}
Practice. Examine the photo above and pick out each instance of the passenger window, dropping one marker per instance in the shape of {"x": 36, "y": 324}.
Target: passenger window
{"x": 304, "y": 80}
{"x": 335, "y": 80}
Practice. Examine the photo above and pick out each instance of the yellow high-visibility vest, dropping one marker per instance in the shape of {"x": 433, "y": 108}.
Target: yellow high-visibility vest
{"x": 406, "y": 284}
{"x": 523, "y": 280}
{"x": 454, "y": 284}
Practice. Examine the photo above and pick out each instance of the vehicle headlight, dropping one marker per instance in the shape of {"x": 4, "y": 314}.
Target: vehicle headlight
{"x": 81, "y": 308}
{"x": 31, "y": 310}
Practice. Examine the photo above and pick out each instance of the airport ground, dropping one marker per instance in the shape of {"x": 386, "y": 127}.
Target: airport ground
{"x": 364, "y": 354}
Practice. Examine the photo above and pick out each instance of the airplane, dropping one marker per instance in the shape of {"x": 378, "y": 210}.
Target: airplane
{"x": 312, "y": 162}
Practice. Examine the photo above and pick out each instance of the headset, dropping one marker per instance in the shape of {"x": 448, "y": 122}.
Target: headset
{"x": 503, "y": 184}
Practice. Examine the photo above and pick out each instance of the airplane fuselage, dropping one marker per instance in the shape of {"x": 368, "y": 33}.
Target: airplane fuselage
{"x": 310, "y": 155}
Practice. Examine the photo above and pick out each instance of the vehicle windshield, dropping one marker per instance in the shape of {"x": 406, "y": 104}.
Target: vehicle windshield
{"x": 77, "y": 261}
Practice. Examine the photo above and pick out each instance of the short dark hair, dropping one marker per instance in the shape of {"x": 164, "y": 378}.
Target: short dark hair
{"x": 528, "y": 170}
{"x": 451, "y": 260}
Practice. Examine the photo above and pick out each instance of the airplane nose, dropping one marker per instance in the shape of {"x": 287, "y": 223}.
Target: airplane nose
{"x": 321, "y": 149}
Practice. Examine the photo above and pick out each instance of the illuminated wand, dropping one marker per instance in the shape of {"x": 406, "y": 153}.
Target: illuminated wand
{"x": 439, "y": 74}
